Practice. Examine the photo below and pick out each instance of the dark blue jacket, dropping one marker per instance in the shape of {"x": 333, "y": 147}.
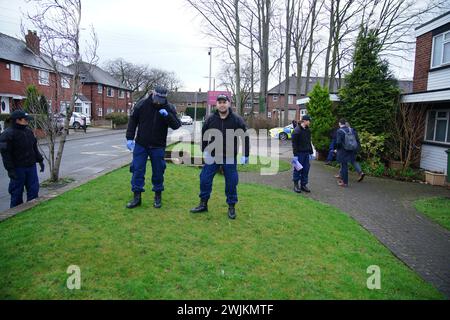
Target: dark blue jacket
{"x": 342, "y": 154}
{"x": 301, "y": 140}
{"x": 152, "y": 126}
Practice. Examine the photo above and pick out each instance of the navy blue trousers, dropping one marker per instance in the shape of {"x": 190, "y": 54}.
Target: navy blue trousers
{"x": 302, "y": 175}
{"x": 231, "y": 181}
{"x": 331, "y": 154}
{"x": 139, "y": 165}
{"x": 28, "y": 178}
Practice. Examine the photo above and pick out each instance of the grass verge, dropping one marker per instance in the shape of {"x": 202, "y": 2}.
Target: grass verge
{"x": 437, "y": 209}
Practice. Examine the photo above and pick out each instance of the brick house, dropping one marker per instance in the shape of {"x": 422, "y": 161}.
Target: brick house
{"x": 21, "y": 65}
{"x": 276, "y": 99}
{"x": 431, "y": 90}
{"x": 105, "y": 93}
{"x": 184, "y": 99}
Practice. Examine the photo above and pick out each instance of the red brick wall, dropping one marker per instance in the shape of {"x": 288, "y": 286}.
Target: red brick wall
{"x": 422, "y": 62}
{"x": 30, "y": 76}
{"x": 101, "y": 100}
{"x": 272, "y": 105}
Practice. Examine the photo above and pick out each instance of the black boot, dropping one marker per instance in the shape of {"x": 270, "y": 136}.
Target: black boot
{"x": 231, "y": 212}
{"x": 136, "y": 202}
{"x": 305, "y": 189}
{"x": 297, "y": 187}
{"x": 157, "y": 203}
{"x": 202, "y": 207}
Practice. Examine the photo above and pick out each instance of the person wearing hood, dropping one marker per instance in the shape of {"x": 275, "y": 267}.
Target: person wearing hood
{"x": 221, "y": 132}
{"x": 152, "y": 116}
{"x": 19, "y": 150}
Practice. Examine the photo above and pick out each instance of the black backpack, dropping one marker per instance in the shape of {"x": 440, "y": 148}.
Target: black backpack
{"x": 350, "y": 142}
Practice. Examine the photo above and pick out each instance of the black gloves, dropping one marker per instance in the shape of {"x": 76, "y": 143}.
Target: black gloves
{"x": 12, "y": 174}
{"x": 41, "y": 165}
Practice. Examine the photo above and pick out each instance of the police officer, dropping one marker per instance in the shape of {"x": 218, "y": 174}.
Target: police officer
{"x": 20, "y": 154}
{"x": 302, "y": 149}
{"x": 152, "y": 116}
{"x": 230, "y": 127}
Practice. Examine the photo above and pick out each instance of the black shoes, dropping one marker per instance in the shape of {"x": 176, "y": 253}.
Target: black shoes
{"x": 297, "y": 188}
{"x": 202, "y": 207}
{"x": 361, "y": 177}
{"x": 305, "y": 189}
{"x": 136, "y": 202}
{"x": 231, "y": 212}
{"x": 157, "y": 203}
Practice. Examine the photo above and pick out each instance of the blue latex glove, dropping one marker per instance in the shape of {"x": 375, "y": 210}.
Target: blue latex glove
{"x": 163, "y": 112}
{"x": 244, "y": 160}
{"x": 130, "y": 145}
{"x": 296, "y": 164}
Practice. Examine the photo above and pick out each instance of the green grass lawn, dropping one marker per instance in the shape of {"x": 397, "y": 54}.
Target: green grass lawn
{"x": 282, "y": 246}
{"x": 437, "y": 209}
{"x": 255, "y": 165}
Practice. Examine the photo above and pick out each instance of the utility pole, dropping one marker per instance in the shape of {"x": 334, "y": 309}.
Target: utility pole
{"x": 210, "y": 77}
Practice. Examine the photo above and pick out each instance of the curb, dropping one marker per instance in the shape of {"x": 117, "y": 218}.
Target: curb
{"x": 87, "y": 136}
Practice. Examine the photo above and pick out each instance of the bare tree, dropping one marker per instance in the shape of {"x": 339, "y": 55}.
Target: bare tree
{"x": 289, "y": 22}
{"x": 59, "y": 25}
{"x": 223, "y": 22}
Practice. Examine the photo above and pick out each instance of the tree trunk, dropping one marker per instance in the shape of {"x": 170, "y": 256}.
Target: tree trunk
{"x": 237, "y": 57}
{"x": 330, "y": 42}
{"x": 311, "y": 41}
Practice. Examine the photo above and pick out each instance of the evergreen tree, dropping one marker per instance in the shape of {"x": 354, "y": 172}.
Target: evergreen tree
{"x": 31, "y": 102}
{"x": 320, "y": 109}
{"x": 370, "y": 93}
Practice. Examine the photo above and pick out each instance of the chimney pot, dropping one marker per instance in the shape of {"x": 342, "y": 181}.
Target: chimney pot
{"x": 33, "y": 42}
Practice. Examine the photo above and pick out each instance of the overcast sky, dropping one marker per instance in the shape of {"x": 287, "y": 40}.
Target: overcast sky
{"x": 163, "y": 34}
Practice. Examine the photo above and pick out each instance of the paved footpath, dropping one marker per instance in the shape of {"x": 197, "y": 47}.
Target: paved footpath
{"x": 385, "y": 208}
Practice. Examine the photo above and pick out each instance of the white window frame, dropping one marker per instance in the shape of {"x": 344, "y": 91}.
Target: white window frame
{"x": 99, "y": 89}
{"x": 121, "y": 94}
{"x": 100, "y": 112}
{"x": 447, "y": 111}
{"x": 44, "y": 77}
{"x": 65, "y": 82}
{"x": 128, "y": 94}
{"x": 290, "y": 99}
{"x": 16, "y": 72}
{"x": 275, "y": 98}
{"x": 112, "y": 92}
{"x": 444, "y": 42}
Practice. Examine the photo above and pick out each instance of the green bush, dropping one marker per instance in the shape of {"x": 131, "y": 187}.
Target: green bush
{"x": 190, "y": 111}
{"x": 320, "y": 109}
{"x": 118, "y": 118}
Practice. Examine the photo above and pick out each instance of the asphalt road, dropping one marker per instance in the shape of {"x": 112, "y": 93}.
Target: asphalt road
{"x": 83, "y": 158}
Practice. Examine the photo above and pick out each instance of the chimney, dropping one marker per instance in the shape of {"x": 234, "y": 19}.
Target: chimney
{"x": 33, "y": 42}
{"x": 199, "y": 89}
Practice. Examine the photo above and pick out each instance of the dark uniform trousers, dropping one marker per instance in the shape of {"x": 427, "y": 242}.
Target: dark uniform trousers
{"x": 139, "y": 165}
{"x": 28, "y": 178}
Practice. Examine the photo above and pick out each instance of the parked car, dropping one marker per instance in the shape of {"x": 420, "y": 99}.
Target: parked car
{"x": 76, "y": 121}
{"x": 282, "y": 133}
{"x": 186, "y": 120}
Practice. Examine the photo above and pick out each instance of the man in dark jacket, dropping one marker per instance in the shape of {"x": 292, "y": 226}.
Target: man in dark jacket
{"x": 332, "y": 148}
{"x": 153, "y": 116}
{"x": 302, "y": 149}
{"x": 347, "y": 146}
{"x": 226, "y": 127}
{"x": 20, "y": 153}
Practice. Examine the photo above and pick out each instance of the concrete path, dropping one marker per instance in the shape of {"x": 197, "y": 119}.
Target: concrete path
{"x": 385, "y": 208}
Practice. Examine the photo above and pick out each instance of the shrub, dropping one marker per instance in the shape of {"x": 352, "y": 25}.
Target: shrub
{"x": 259, "y": 122}
{"x": 117, "y": 118}
{"x": 201, "y": 112}
{"x": 320, "y": 109}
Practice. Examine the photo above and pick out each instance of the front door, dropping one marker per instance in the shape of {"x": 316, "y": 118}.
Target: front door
{"x": 4, "y": 108}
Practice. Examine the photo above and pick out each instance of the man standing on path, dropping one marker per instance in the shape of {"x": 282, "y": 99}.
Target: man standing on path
{"x": 226, "y": 127}
{"x": 20, "y": 153}
{"x": 302, "y": 149}
{"x": 153, "y": 115}
{"x": 347, "y": 145}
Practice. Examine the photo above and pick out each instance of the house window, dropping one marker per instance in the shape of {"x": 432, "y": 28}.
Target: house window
{"x": 44, "y": 78}
{"x": 100, "y": 112}
{"x": 109, "y": 110}
{"x": 110, "y": 92}
{"x": 438, "y": 126}
{"x": 15, "y": 72}
{"x": 441, "y": 50}
{"x": 99, "y": 89}
{"x": 78, "y": 108}
{"x": 128, "y": 95}
{"x": 274, "y": 98}
{"x": 290, "y": 99}
{"x": 65, "y": 82}
{"x": 121, "y": 94}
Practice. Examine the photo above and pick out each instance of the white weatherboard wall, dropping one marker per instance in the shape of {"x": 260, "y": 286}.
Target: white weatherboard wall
{"x": 439, "y": 79}
{"x": 434, "y": 158}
